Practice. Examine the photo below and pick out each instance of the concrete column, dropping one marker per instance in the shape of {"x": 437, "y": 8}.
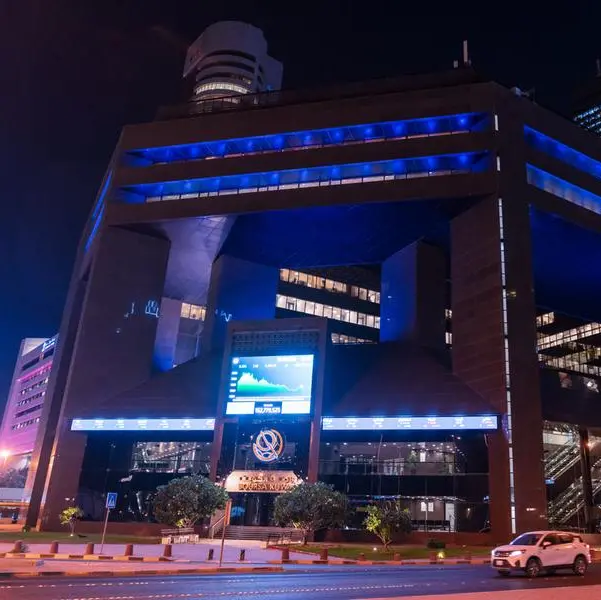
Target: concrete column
{"x": 113, "y": 349}
{"x": 587, "y": 483}
{"x": 239, "y": 291}
{"x": 413, "y": 296}
{"x": 484, "y": 352}
{"x": 167, "y": 334}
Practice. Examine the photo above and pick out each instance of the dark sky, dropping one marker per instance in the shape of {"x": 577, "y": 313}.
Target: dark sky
{"x": 73, "y": 72}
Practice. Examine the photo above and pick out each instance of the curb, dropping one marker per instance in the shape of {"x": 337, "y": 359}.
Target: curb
{"x": 367, "y": 563}
{"x": 165, "y": 572}
{"x": 98, "y": 557}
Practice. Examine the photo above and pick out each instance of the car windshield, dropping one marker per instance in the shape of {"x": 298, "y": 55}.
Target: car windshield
{"x": 528, "y": 539}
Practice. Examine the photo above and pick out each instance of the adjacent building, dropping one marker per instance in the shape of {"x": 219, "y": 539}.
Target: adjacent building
{"x": 26, "y": 397}
{"x": 389, "y": 286}
{"x": 587, "y": 111}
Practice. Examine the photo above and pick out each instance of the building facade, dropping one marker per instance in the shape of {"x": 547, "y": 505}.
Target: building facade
{"x": 240, "y": 257}
{"x": 26, "y": 397}
{"x": 587, "y": 108}
{"x": 230, "y": 58}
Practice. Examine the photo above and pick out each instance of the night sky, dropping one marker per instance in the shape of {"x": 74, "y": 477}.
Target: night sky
{"x": 73, "y": 72}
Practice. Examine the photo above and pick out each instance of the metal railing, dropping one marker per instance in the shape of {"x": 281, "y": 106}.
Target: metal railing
{"x": 561, "y": 460}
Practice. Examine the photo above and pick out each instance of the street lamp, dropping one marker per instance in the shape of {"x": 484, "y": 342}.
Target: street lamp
{"x": 4, "y": 455}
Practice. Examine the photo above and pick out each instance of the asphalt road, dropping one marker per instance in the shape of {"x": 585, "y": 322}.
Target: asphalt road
{"x": 329, "y": 583}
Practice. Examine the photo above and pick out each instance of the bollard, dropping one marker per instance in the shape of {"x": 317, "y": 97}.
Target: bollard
{"x": 89, "y": 549}
{"x": 18, "y": 548}
{"x": 361, "y": 556}
{"x": 396, "y": 557}
{"x": 54, "y": 548}
{"x": 167, "y": 551}
{"x": 323, "y": 554}
{"x": 210, "y": 554}
{"x": 129, "y": 550}
{"x": 242, "y": 556}
{"x": 285, "y": 554}
{"x": 433, "y": 557}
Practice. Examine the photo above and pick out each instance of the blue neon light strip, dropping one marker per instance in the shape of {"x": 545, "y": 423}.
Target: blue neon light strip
{"x": 486, "y": 422}
{"x": 167, "y": 424}
{"x": 313, "y": 177}
{"x": 466, "y": 423}
{"x": 98, "y": 211}
{"x": 310, "y": 138}
{"x": 563, "y": 189}
{"x": 561, "y": 152}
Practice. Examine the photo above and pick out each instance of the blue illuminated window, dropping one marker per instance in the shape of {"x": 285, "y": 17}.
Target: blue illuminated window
{"x": 563, "y": 189}
{"x": 317, "y": 138}
{"x": 293, "y": 179}
{"x": 561, "y": 152}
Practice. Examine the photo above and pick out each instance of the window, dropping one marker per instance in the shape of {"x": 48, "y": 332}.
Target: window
{"x": 327, "y": 311}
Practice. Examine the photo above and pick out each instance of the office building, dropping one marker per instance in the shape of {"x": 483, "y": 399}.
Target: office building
{"x": 587, "y": 109}
{"x": 230, "y": 58}
{"x": 450, "y": 222}
{"x": 26, "y": 398}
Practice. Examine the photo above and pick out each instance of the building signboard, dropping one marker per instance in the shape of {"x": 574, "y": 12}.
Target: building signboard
{"x": 262, "y": 482}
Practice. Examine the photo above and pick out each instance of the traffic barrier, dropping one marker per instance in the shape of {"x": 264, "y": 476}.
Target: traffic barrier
{"x": 285, "y": 554}
{"x": 211, "y": 554}
{"x": 168, "y": 551}
{"x": 54, "y": 548}
{"x": 129, "y": 550}
{"x": 361, "y": 557}
{"x": 323, "y": 554}
{"x": 242, "y": 556}
{"x": 396, "y": 557}
{"x": 89, "y": 549}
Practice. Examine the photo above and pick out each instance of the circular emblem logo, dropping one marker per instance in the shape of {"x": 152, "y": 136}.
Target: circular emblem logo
{"x": 268, "y": 445}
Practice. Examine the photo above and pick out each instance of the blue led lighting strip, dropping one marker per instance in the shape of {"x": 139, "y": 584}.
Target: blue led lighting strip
{"x": 403, "y": 423}
{"x": 563, "y": 189}
{"x": 353, "y": 173}
{"x": 508, "y": 402}
{"x": 310, "y": 138}
{"x": 98, "y": 211}
{"x": 562, "y": 152}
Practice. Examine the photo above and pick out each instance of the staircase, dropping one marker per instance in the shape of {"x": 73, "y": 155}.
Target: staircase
{"x": 561, "y": 460}
{"x": 569, "y": 502}
{"x": 275, "y": 535}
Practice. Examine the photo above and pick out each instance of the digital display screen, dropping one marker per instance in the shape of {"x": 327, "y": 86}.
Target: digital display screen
{"x": 166, "y": 424}
{"x": 486, "y": 422}
{"x": 270, "y": 385}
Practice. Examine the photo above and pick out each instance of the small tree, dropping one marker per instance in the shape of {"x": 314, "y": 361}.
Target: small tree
{"x": 185, "y": 501}
{"x": 310, "y": 507}
{"x": 387, "y": 518}
{"x": 70, "y": 516}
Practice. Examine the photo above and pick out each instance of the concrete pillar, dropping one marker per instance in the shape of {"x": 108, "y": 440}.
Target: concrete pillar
{"x": 413, "y": 296}
{"x": 492, "y": 284}
{"x": 587, "y": 483}
{"x": 239, "y": 291}
{"x": 113, "y": 349}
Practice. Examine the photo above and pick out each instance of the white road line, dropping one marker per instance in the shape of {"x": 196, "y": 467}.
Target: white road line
{"x": 555, "y": 593}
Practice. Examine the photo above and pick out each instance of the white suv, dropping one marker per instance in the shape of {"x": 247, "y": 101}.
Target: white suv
{"x": 549, "y": 550}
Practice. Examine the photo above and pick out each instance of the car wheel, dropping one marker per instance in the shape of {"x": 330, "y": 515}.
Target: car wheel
{"x": 533, "y": 567}
{"x": 580, "y": 565}
{"x": 504, "y": 573}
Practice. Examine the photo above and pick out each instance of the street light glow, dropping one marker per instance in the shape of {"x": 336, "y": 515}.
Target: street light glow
{"x": 4, "y": 453}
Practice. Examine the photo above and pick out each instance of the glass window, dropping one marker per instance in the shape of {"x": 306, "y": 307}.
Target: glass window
{"x": 371, "y": 295}
{"x": 309, "y": 307}
{"x": 335, "y": 313}
{"x": 284, "y": 274}
{"x": 185, "y": 310}
{"x": 327, "y": 311}
{"x": 360, "y": 319}
{"x": 291, "y": 303}
{"x": 354, "y": 291}
{"x": 300, "y": 305}
{"x": 319, "y": 309}
{"x": 280, "y": 301}
{"x": 363, "y": 293}
{"x": 370, "y": 320}
{"x": 303, "y": 278}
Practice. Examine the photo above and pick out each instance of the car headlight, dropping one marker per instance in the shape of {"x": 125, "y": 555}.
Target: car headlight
{"x": 517, "y": 552}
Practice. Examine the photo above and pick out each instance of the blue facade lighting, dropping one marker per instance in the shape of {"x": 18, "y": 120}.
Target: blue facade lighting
{"x": 562, "y": 152}
{"x": 315, "y": 138}
{"x": 98, "y": 211}
{"x": 563, "y": 189}
{"x": 453, "y": 423}
{"x": 366, "y": 172}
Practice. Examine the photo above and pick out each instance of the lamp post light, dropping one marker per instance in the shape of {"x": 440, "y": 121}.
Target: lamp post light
{"x": 4, "y": 455}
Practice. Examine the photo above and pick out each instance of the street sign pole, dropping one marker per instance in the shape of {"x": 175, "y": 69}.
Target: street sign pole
{"x": 106, "y": 522}
{"x": 226, "y": 521}
{"x": 111, "y": 502}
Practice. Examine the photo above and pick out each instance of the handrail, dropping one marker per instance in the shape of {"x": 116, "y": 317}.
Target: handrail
{"x": 213, "y": 528}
